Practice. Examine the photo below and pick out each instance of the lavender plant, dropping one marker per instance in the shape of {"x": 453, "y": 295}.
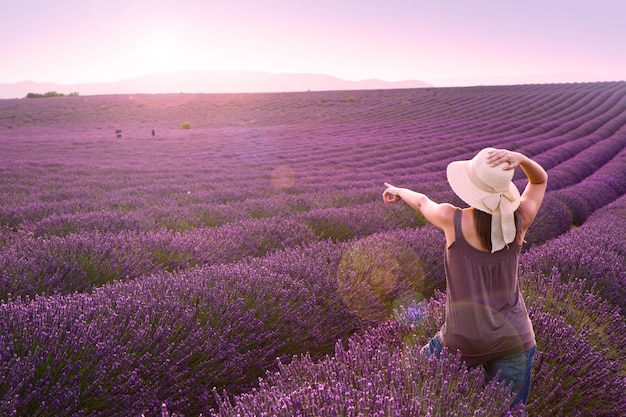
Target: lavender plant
{"x": 584, "y": 311}
{"x": 374, "y": 376}
{"x": 600, "y": 189}
{"x": 572, "y": 377}
{"x": 585, "y": 254}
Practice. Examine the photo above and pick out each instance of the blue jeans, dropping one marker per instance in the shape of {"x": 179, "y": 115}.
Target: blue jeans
{"x": 516, "y": 368}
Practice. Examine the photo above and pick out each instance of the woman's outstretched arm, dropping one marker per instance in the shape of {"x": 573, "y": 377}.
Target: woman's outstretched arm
{"x": 437, "y": 214}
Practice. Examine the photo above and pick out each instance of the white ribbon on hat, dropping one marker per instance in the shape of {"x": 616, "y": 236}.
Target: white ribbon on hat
{"x": 502, "y": 219}
{"x": 499, "y": 203}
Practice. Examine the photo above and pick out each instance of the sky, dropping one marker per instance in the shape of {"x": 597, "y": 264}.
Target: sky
{"x": 443, "y": 42}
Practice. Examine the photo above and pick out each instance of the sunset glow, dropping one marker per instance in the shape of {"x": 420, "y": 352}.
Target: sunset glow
{"x": 451, "y": 43}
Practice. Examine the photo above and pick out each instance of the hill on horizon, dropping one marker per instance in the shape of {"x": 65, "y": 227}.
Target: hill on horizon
{"x": 214, "y": 81}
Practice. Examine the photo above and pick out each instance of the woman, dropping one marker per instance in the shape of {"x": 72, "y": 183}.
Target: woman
{"x": 486, "y": 319}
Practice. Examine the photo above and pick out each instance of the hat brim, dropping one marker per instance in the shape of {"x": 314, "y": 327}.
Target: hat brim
{"x": 462, "y": 185}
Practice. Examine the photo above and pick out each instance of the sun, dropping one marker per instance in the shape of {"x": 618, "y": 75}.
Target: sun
{"x": 159, "y": 53}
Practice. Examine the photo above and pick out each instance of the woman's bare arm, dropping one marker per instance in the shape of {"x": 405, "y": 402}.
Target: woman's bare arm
{"x": 439, "y": 215}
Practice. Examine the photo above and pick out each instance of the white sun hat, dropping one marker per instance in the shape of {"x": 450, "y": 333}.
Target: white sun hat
{"x": 489, "y": 189}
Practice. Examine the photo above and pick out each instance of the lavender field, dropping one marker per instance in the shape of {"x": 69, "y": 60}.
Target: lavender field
{"x": 148, "y": 274}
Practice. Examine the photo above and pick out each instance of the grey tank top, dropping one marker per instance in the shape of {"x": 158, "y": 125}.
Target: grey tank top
{"x": 485, "y": 316}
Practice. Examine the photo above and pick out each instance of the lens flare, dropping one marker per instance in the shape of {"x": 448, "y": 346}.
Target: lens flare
{"x": 379, "y": 275}
{"x": 283, "y": 177}
{"x": 410, "y": 309}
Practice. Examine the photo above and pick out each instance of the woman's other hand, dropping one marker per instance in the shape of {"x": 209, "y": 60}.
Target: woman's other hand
{"x": 501, "y": 156}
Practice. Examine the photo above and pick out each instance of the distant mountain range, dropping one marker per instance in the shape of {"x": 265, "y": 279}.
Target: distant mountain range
{"x": 217, "y": 81}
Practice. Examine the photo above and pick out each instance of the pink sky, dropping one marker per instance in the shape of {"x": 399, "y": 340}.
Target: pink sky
{"x": 447, "y": 42}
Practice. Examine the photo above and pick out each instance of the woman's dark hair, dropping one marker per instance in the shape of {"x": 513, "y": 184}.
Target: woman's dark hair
{"x": 482, "y": 221}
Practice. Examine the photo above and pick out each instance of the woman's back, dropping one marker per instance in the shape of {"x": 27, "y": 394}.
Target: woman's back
{"x": 485, "y": 313}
